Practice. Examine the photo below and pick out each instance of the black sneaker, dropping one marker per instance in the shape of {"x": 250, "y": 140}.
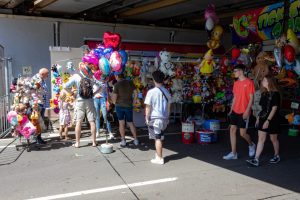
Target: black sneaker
{"x": 275, "y": 159}
{"x": 253, "y": 162}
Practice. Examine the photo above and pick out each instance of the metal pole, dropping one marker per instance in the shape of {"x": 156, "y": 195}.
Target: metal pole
{"x": 285, "y": 25}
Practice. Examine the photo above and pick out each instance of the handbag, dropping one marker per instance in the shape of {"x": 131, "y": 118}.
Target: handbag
{"x": 263, "y": 114}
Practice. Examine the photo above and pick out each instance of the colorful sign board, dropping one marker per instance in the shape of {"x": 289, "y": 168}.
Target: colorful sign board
{"x": 265, "y": 23}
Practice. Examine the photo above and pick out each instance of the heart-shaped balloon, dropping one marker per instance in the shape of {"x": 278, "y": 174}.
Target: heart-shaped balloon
{"x": 104, "y": 66}
{"x": 278, "y": 56}
{"x": 111, "y": 40}
{"x": 115, "y": 61}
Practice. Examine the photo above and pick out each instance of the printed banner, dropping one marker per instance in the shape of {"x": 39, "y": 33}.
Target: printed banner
{"x": 265, "y": 23}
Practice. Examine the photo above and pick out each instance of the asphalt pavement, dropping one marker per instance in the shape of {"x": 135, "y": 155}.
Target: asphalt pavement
{"x": 59, "y": 171}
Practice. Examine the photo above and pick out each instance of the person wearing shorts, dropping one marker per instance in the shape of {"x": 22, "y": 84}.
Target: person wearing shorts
{"x": 243, "y": 92}
{"x": 84, "y": 107}
{"x": 124, "y": 96}
{"x": 157, "y": 101}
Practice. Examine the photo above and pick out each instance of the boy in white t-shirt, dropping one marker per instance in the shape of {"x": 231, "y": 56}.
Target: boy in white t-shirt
{"x": 157, "y": 101}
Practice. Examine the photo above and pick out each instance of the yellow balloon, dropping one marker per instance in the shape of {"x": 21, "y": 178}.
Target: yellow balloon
{"x": 292, "y": 39}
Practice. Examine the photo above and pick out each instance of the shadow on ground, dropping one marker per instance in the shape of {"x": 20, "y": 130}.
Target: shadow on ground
{"x": 285, "y": 174}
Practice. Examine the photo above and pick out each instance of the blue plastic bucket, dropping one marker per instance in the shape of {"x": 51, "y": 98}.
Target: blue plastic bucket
{"x": 212, "y": 124}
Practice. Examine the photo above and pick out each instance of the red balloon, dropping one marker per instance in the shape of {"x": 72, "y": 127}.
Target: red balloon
{"x": 289, "y": 53}
{"x": 111, "y": 40}
{"x": 235, "y": 53}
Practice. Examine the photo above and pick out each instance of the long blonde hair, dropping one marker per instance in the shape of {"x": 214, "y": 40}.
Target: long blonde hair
{"x": 63, "y": 96}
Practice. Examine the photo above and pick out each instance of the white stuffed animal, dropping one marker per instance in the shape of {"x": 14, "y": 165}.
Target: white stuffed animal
{"x": 166, "y": 66}
{"x": 177, "y": 90}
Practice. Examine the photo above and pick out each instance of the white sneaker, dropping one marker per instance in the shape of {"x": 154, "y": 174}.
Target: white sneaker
{"x": 136, "y": 142}
{"x": 102, "y": 130}
{"x": 230, "y": 156}
{"x": 111, "y": 136}
{"x": 97, "y": 134}
{"x": 123, "y": 143}
{"x": 157, "y": 160}
{"x": 252, "y": 149}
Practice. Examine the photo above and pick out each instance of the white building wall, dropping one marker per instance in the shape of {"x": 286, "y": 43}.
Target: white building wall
{"x": 27, "y": 39}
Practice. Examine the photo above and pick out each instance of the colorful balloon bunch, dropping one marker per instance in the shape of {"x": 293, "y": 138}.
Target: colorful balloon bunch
{"x": 106, "y": 59}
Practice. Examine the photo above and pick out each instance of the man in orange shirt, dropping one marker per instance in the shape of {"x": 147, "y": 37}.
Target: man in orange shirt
{"x": 243, "y": 91}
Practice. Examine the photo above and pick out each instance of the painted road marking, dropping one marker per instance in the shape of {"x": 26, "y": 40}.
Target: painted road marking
{"x": 105, "y": 189}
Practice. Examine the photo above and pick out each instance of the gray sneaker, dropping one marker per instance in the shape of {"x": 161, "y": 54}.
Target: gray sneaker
{"x": 230, "y": 156}
{"x": 123, "y": 143}
{"x": 136, "y": 142}
{"x": 252, "y": 149}
{"x": 253, "y": 162}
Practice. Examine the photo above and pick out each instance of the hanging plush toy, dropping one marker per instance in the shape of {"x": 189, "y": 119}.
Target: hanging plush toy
{"x": 176, "y": 89}
{"x": 208, "y": 64}
{"x": 261, "y": 69}
{"x": 215, "y": 38}
{"x": 166, "y": 66}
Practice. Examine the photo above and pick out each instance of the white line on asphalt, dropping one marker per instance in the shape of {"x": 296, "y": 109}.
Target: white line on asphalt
{"x": 99, "y": 190}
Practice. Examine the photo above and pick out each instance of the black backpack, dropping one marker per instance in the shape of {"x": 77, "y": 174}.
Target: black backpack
{"x": 86, "y": 88}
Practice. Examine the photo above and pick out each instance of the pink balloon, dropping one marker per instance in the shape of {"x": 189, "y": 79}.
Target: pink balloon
{"x": 91, "y": 59}
{"x": 115, "y": 61}
{"x": 210, "y": 12}
{"x": 97, "y": 75}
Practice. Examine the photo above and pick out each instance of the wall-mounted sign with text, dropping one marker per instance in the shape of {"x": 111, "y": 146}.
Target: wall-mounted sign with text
{"x": 265, "y": 23}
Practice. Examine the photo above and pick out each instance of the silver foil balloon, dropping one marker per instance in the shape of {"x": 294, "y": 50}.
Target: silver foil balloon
{"x": 278, "y": 56}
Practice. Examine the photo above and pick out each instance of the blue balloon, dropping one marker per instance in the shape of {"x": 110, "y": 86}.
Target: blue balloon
{"x": 124, "y": 57}
{"x": 98, "y": 52}
{"x": 107, "y": 52}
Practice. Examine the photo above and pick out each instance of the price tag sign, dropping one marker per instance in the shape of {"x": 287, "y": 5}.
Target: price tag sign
{"x": 27, "y": 70}
{"x": 295, "y": 105}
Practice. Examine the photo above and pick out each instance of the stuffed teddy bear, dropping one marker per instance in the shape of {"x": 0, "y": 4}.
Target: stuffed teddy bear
{"x": 177, "y": 88}
{"x": 215, "y": 38}
{"x": 208, "y": 64}
{"x": 166, "y": 66}
{"x": 261, "y": 69}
